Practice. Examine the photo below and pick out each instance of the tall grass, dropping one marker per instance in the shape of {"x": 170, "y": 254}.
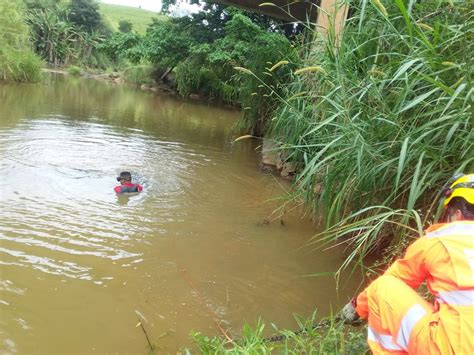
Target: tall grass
{"x": 335, "y": 338}
{"x": 380, "y": 120}
{"x": 17, "y": 60}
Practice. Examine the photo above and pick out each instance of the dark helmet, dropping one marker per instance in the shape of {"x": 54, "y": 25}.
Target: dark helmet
{"x": 124, "y": 175}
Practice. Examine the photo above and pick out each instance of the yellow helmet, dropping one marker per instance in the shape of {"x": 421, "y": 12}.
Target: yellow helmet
{"x": 463, "y": 186}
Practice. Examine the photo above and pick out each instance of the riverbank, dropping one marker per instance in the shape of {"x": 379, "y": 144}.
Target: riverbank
{"x": 143, "y": 84}
{"x": 333, "y": 338}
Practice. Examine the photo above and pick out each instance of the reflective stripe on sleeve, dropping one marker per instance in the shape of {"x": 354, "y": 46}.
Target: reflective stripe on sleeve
{"x": 409, "y": 321}
{"x": 461, "y": 229}
{"x": 457, "y": 298}
{"x": 383, "y": 339}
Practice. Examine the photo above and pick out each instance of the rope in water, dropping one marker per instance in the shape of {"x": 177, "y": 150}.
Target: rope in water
{"x": 202, "y": 300}
{"x": 276, "y": 338}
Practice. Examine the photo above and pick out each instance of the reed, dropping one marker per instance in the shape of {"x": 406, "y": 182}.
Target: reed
{"x": 380, "y": 121}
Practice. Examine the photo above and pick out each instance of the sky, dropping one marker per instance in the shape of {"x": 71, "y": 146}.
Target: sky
{"x": 153, "y": 5}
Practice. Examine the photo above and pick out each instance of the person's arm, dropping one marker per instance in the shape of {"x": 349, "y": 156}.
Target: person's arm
{"x": 139, "y": 188}
{"x": 411, "y": 269}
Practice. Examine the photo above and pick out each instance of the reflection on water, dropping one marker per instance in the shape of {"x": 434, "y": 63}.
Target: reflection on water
{"x": 79, "y": 265}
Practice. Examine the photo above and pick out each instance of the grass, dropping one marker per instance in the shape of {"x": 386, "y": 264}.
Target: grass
{"x": 333, "y": 338}
{"x": 381, "y": 121}
{"x": 74, "y": 70}
{"x": 139, "y": 18}
{"x": 17, "y": 60}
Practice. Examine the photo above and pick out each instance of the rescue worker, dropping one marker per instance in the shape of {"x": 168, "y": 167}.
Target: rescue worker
{"x": 401, "y": 321}
{"x": 126, "y": 185}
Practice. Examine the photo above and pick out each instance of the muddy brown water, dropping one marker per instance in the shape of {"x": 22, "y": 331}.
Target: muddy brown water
{"x": 80, "y": 266}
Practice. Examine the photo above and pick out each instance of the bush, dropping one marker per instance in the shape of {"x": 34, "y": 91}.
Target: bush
{"x": 17, "y": 61}
{"x": 20, "y": 65}
{"x": 123, "y": 46}
{"x": 74, "y": 70}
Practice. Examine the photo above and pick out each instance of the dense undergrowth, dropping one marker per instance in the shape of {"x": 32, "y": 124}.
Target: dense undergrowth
{"x": 379, "y": 121}
{"x": 333, "y": 338}
{"x": 17, "y": 60}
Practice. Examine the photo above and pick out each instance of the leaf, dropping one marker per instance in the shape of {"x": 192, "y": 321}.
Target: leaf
{"x": 401, "y": 162}
{"x": 318, "y": 274}
{"x": 455, "y": 95}
{"x": 267, "y": 4}
{"x": 418, "y": 100}
{"x": 403, "y": 10}
{"x": 402, "y": 70}
{"x": 416, "y": 184}
{"x": 244, "y": 70}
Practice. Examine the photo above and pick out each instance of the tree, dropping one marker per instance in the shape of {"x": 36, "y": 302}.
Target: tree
{"x": 212, "y": 18}
{"x": 167, "y": 43}
{"x": 85, "y": 14}
{"x": 123, "y": 46}
{"x": 54, "y": 36}
{"x": 165, "y": 4}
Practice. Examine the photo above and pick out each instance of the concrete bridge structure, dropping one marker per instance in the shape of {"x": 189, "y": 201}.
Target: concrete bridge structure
{"x": 322, "y": 13}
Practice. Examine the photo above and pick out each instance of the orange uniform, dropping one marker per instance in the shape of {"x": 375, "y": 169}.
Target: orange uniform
{"x": 401, "y": 321}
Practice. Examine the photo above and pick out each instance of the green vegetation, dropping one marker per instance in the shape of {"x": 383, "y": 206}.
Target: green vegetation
{"x": 333, "y": 338}
{"x": 139, "y": 18}
{"x": 380, "y": 123}
{"x": 66, "y": 32}
{"x": 17, "y": 61}
{"x": 376, "y": 122}
{"x": 197, "y": 55}
{"x": 194, "y": 54}
{"x": 74, "y": 70}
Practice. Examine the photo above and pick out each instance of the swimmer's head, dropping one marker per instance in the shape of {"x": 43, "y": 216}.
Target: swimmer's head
{"x": 125, "y": 176}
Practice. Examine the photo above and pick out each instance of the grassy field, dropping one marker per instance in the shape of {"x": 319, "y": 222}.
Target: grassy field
{"x": 140, "y": 18}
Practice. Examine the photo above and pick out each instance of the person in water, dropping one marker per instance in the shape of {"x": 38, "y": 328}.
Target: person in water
{"x": 126, "y": 185}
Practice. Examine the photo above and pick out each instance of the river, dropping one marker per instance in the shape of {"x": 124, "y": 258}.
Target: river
{"x": 79, "y": 266}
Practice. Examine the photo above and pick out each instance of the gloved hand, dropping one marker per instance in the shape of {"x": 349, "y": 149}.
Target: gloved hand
{"x": 349, "y": 314}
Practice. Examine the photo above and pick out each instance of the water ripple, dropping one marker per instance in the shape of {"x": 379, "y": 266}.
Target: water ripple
{"x": 57, "y": 202}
